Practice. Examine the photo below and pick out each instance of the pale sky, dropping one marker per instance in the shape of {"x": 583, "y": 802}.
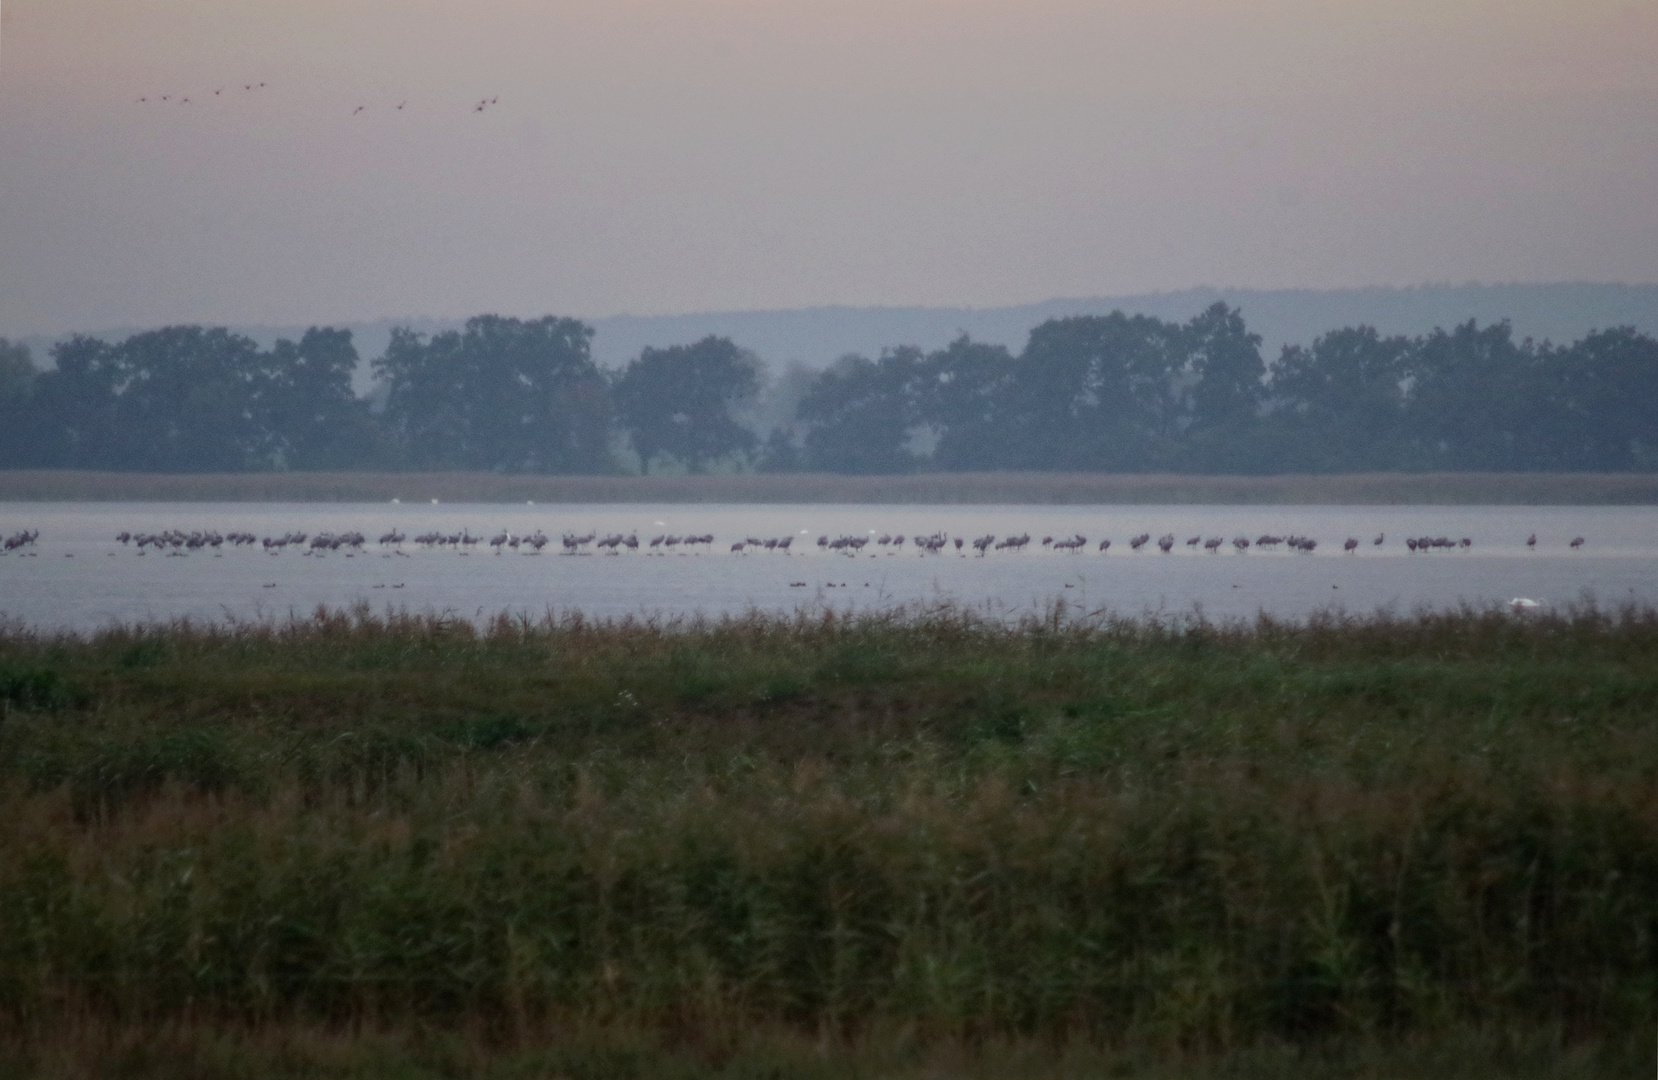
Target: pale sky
{"x": 655, "y": 156}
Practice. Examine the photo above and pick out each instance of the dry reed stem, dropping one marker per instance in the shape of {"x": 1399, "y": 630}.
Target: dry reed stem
{"x": 1082, "y": 489}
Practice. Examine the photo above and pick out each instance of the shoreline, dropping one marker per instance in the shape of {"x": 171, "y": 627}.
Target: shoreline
{"x": 1037, "y": 489}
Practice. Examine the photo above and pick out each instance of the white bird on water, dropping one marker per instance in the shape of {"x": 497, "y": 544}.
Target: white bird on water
{"x": 1521, "y": 604}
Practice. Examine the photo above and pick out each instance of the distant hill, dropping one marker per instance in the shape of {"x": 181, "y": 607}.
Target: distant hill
{"x": 816, "y": 336}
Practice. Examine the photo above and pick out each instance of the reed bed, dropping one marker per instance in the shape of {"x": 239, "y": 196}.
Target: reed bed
{"x": 1080, "y": 489}
{"x": 917, "y": 843}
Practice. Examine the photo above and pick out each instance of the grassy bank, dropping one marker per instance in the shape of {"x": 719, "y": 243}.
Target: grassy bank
{"x": 1034, "y": 488}
{"x": 908, "y": 845}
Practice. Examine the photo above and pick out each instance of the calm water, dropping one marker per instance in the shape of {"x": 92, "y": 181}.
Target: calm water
{"x": 79, "y": 577}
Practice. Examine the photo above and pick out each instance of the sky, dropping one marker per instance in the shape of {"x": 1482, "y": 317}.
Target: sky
{"x": 663, "y": 156}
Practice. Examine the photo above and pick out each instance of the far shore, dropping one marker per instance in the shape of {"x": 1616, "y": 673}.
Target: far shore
{"x": 1056, "y": 489}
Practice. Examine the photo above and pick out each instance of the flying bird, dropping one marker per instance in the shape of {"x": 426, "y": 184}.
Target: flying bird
{"x": 400, "y": 105}
{"x": 358, "y": 109}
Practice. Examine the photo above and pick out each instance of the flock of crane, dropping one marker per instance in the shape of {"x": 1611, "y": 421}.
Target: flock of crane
{"x": 218, "y": 96}
{"x": 176, "y": 542}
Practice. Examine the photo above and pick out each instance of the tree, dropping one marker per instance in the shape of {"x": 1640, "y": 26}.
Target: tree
{"x": 17, "y": 369}
{"x": 1099, "y": 392}
{"x": 1226, "y": 371}
{"x": 185, "y": 400}
{"x": 18, "y": 415}
{"x": 1225, "y": 360}
{"x": 73, "y": 404}
{"x": 861, "y": 413}
{"x": 779, "y": 454}
{"x": 677, "y": 402}
{"x": 308, "y": 414}
{"x": 1608, "y": 387}
{"x": 1339, "y": 404}
{"x": 506, "y": 394}
{"x": 965, "y": 393}
{"x": 1478, "y": 399}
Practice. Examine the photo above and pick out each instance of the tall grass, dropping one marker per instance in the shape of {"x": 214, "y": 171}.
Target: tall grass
{"x": 853, "y": 844}
{"x": 935, "y": 488}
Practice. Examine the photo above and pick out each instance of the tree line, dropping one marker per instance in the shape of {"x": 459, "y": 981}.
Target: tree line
{"x": 1114, "y": 393}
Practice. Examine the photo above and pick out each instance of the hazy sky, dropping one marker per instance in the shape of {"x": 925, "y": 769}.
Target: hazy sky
{"x": 679, "y": 155}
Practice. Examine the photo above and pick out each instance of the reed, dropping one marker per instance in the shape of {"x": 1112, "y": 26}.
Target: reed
{"x": 1082, "y": 489}
{"x": 899, "y": 844}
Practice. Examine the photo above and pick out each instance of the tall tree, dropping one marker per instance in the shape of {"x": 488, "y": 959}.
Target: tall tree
{"x": 77, "y": 426}
{"x": 678, "y": 402}
{"x": 861, "y": 414}
{"x": 1226, "y": 375}
{"x": 1099, "y": 392}
{"x": 966, "y": 394}
{"x": 308, "y": 413}
{"x": 507, "y": 394}
{"x": 1225, "y": 360}
{"x": 18, "y": 415}
{"x": 1477, "y": 399}
{"x": 17, "y": 369}
{"x": 1338, "y": 404}
{"x": 779, "y": 453}
{"x": 1608, "y": 392}
{"x": 186, "y": 400}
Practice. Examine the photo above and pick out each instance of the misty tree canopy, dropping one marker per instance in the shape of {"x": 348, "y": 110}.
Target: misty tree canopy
{"x": 677, "y": 402}
{"x": 860, "y": 414}
{"x": 188, "y": 399}
{"x": 1118, "y": 393}
{"x": 500, "y": 394}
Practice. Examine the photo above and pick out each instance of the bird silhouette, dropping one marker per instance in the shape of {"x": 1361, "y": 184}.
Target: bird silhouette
{"x": 400, "y": 105}
{"x": 219, "y": 91}
{"x": 358, "y": 109}
{"x": 164, "y": 97}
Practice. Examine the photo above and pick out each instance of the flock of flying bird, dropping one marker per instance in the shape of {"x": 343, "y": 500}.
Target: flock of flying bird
{"x": 176, "y": 542}
{"x": 180, "y": 99}
{"x": 481, "y": 105}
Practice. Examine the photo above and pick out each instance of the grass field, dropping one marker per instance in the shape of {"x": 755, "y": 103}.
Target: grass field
{"x": 1034, "y": 488}
{"x": 908, "y": 845}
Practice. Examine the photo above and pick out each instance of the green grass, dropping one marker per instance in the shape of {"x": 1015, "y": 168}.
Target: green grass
{"x": 915, "y": 844}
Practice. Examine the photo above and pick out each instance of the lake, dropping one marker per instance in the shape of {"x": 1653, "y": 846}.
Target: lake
{"x": 78, "y": 576}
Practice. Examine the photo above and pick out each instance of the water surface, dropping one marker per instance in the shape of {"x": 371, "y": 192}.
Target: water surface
{"x": 79, "y": 577}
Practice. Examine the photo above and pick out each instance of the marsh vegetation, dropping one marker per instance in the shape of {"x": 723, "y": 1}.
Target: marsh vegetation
{"x": 916, "y": 843}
